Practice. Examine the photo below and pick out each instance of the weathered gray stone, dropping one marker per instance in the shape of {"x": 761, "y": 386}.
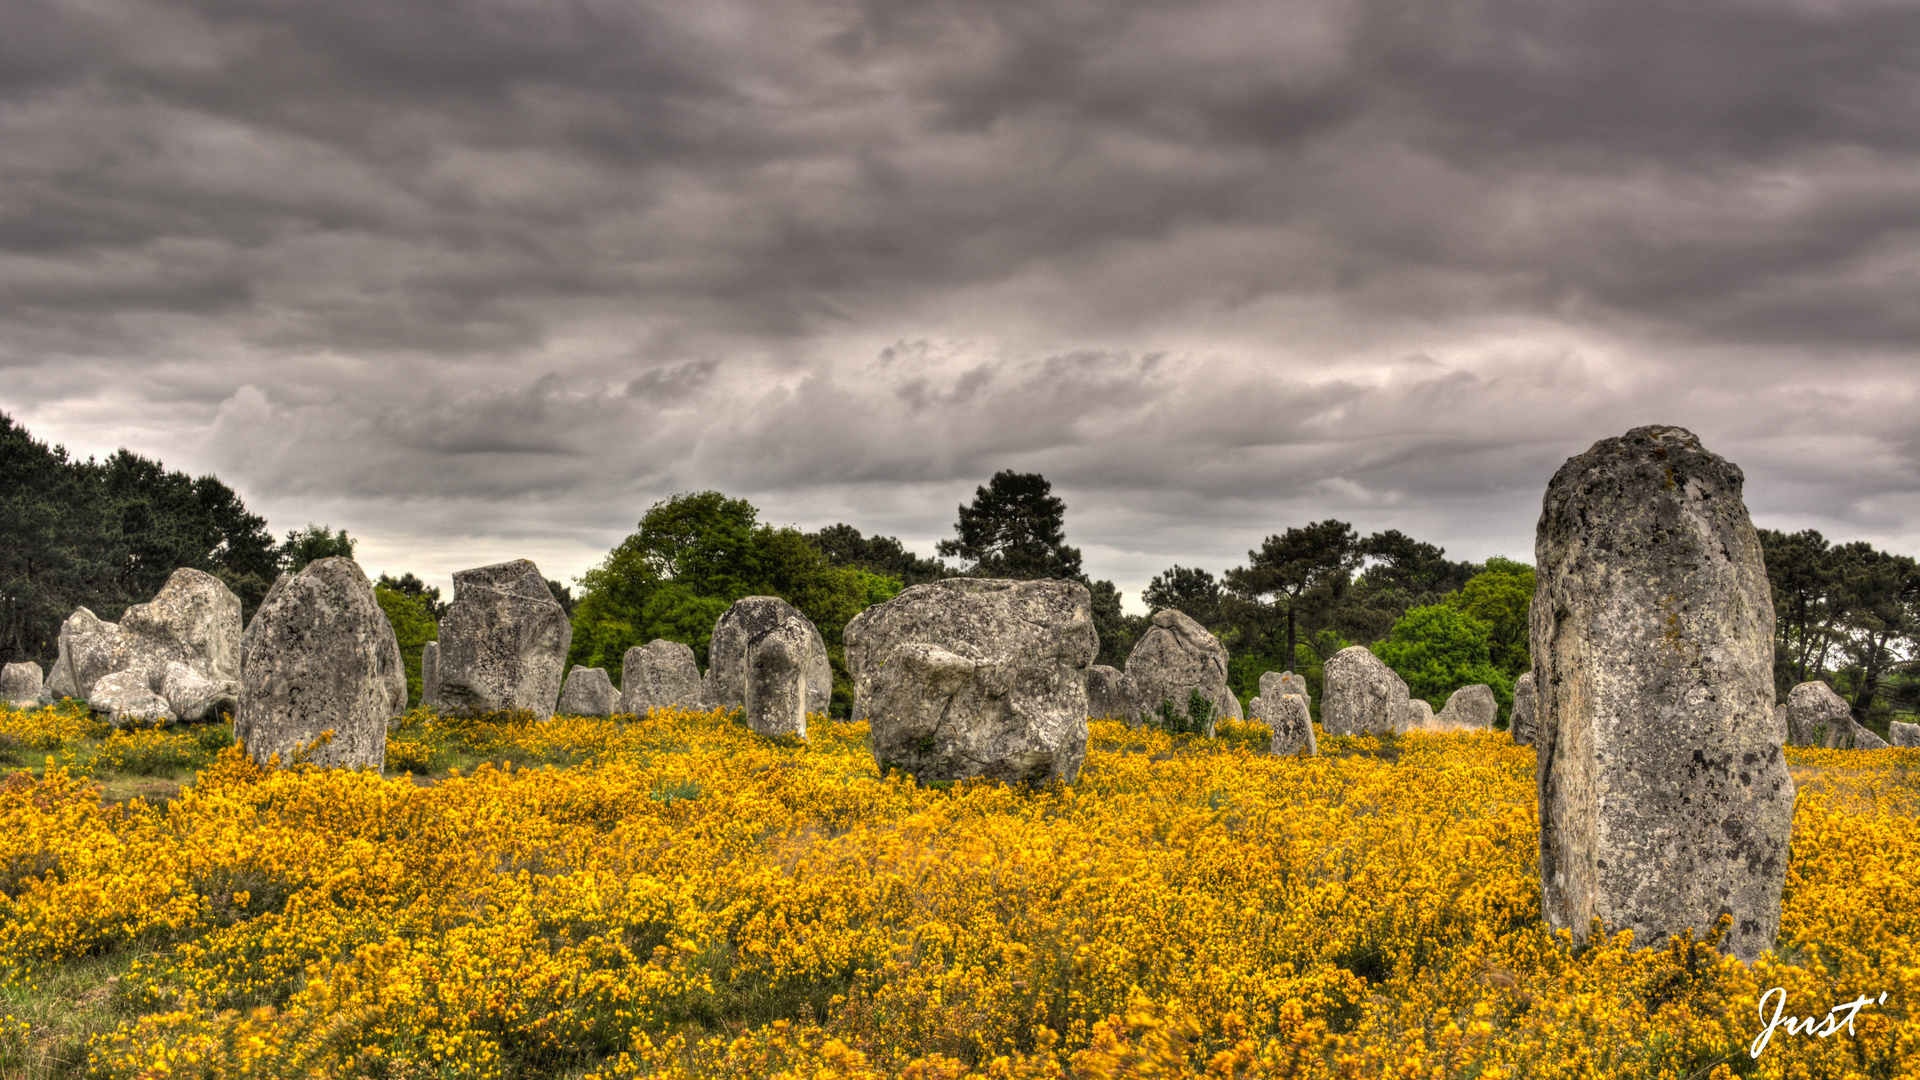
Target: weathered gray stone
{"x": 1816, "y": 716}
{"x": 1521, "y": 722}
{"x": 21, "y": 684}
{"x": 194, "y": 697}
{"x": 778, "y": 688}
{"x": 1865, "y": 739}
{"x": 588, "y": 692}
{"x": 1416, "y": 715}
{"x": 430, "y": 674}
{"x": 728, "y": 654}
{"x": 972, "y": 677}
{"x": 1904, "y": 734}
{"x": 194, "y": 619}
{"x": 503, "y": 644}
{"x": 319, "y": 656}
{"x": 126, "y": 699}
{"x": 1286, "y": 716}
{"x": 1174, "y": 658}
{"x": 1290, "y": 683}
{"x": 1664, "y": 797}
{"x": 89, "y": 649}
{"x": 1110, "y": 695}
{"x": 1363, "y": 695}
{"x": 660, "y": 675}
{"x": 1470, "y": 707}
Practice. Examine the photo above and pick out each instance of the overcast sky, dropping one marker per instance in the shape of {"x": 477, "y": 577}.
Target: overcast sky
{"x": 479, "y": 279}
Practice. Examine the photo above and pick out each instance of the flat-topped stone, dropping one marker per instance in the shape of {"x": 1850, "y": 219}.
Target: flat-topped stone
{"x": 729, "y": 652}
{"x": 588, "y": 692}
{"x": 503, "y": 644}
{"x": 660, "y": 675}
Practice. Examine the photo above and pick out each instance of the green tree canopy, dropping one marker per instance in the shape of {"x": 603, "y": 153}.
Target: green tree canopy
{"x": 414, "y": 624}
{"x": 1438, "y": 650}
{"x": 883, "y": 555}
{"x": 1299, "y": 576}
{"x": 1500, "y": 599}
{"x": 409, "y": 585}
{"x": 1014, "y": 528}
{"x": 303, "y": 546}
{"x": 1192, "y": 592}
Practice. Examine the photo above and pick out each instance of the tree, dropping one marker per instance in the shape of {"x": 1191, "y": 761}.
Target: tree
{"x": 1304, "y": 570}
{"x": 1192, "y": 592}
{"x": 1807, "y": 605}
{"x": 882, "y": 555}
{"x": 1438, "y": 650}
{"x": 1118, "y": 631}
{"x": 1398, "y": 573}
{"x": 303, "y": 546}
{"x": 409, "y": 585}
{"x": 1014, "y": 529}
{"x": 1500, "y": 599}
{"x": 1881, "y": 594}
{"x": 414, "y": 624}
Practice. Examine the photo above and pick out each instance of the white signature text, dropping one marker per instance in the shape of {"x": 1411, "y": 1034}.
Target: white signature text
{"x": 1840, "y": 1016}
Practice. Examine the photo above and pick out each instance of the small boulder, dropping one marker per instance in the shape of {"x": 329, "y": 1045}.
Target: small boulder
{"x": 745, "y": 622}
{"x": 503, "y": 644}
{"x": 89, "y": 649}
{"x": 778, "y": 688}
{"x": 1470, "y": 707}
{"x": 1289, "y": 683}
{"x": 1110, "y": 694}
{"x": 1416, "y": 715}
{"x": 1363, "y": 695}
{"x": 1816, "y": 716}
{"x": 660, "y": 675}
{"x": 21, "y": 684}
{"x": 126, "y": 699}
{"x": 975, "y": 677}
{"x": 1905, "y": 734}
{"x": 588, "y": 692}
{"x": 319, "y": 656}
{"x": 1286, "y": 715}
{"x": 1521, "y": 723}
{"x": 194, "y": 697}
{"x": 1176, "y": 657}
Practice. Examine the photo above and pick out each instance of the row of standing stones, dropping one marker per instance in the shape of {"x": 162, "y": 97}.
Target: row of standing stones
{"x": 1665, "y": 802}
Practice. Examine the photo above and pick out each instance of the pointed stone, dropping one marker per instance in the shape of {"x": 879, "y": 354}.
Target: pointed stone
{"x": 728, "y": 654}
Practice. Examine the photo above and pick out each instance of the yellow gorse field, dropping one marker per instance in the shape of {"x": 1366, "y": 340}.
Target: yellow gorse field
{"x": 686, "y": 899}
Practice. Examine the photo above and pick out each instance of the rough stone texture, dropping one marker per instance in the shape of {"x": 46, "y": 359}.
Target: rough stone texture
{"x": 1816, "y": 716}
{"x": 660, "y": 675}
{"x": 21, "y": 684}
{"x": 1416, "y": 715}
{"x": 1363, "y": 694}
{"x": 393, "y": 669}
{"x": 1905, "y": 734}
{"x": 429, "y": 674}
{"x": 588, "y": 692}
{"x": 194, "y": 619}
{"x": 728, "y": 654}
{"x": 1470, "y": 706}
{"x": 1286, "y": 715}
{"x": 1175, "y": 657}
{"x": 1110, "y": 695}
{"x": 192, "y": 696}
{"x": 503, "y": 644}
{"x": 1289, "y": 683}
{"x": 126, "y": 699}
{"x": 778, "y": 688}
{"x": 317, "y": 658}
{"x": 1521, "y": 722}
{"x": 975, "y": 677}
{"x": 89, "y": 645}
{"x": 1664, "y": 797}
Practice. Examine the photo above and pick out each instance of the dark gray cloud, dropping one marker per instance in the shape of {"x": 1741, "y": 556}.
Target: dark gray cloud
{"x": 488, "y": 277}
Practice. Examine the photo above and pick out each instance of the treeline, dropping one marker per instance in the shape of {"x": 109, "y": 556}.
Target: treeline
{"x": 107, "y": 534}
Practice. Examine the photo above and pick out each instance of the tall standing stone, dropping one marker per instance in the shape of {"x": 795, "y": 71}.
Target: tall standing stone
{"x": 1286, "y": 715}
{"x": 778, "y": 688}
{"x": 1664, "y": 798}
{"x": 745, "y": 622}
{"x": 1174, "y": 658}
{"x": 977, "y": 677}
{"x": 1470, "y": 707}
{"x": 660, "y": 675}
{"x": 319, "y": 656}
{"x": 1110, "y": 695}
{"x": 430, "y": 674}
{"x": 588, "y": 692}
{"x": 1362, "y": 694}
{"x": 1521, "y": 722}
{"x": 503, "y": 644}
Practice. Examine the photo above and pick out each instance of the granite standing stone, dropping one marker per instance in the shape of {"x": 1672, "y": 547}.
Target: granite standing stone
{"x": 728, "y": 653}
{"x": 1290, "y": 683}
{"x": 195, "y": 620}
{"x": 319, "y": 656}
{"x": 975, "y": 677}
{"x": 1416, "y": 715}
{"x": 1470, "y": 707}
{"x": 1286, "y": 716}
{"x": 1174, "y": 658}
{"x": 430, "y": 674}
{"x": 1363, "y": 695}
{"x": 1521, "y": 723}
{"x": 1904, "y": 734}
{"x": 1110, "y": 695}
{"x": 588, "y": 692}
{"x": 89, "y": 647}
{"x": 1664, "y": 798}
{"x": 1816, "y": 716}
{"x": 660, "y": 675}
{"x": 21, "y": 684}
{"x": 778, "y": 688}
{"x": 503, "y": 644}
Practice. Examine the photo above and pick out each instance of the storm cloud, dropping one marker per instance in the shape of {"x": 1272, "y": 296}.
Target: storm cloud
{"x": 486, "y": 278}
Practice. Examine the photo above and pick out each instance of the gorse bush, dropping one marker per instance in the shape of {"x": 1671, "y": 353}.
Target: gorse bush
{"x": 693, "y": 901}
